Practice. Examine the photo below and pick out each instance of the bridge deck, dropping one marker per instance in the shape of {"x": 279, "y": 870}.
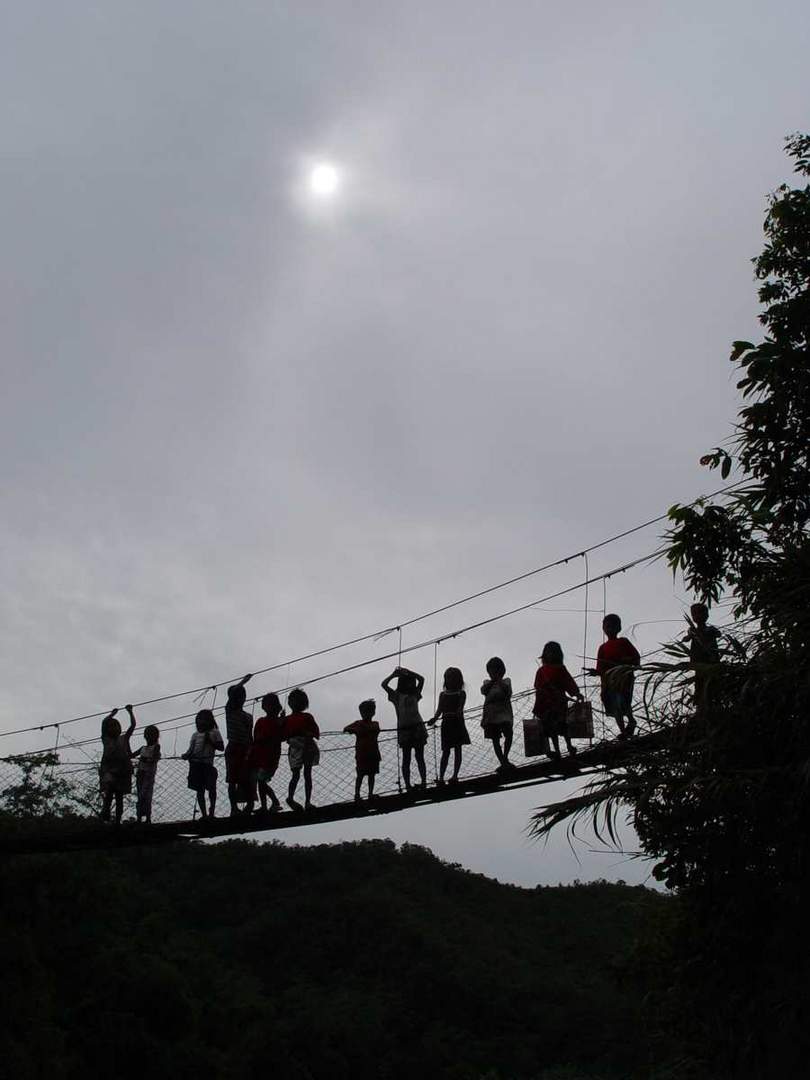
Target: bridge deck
{"x": 93, "y": 834}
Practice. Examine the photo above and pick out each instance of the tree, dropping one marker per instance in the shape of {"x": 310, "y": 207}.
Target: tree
{"x": 722, "y": 801}
{"x": 749, "y": 544}
{"x": 37, "y": 790}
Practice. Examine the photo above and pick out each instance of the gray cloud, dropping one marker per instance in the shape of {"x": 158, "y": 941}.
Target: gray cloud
{"x": 234, "y": 429}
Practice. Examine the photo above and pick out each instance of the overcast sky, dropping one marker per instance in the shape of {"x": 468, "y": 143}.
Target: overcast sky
{"x": 240, "y": 423}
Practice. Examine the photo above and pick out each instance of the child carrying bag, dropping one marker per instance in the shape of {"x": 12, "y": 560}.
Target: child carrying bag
{"x": 535, "y": 742}
{"x": 580, "y": 720}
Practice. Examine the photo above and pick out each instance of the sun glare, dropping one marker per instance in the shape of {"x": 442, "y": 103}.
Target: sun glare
{"x": 324, "y": 180}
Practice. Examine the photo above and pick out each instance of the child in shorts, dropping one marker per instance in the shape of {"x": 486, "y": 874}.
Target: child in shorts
{"x": 301, "y": 733}
{"x": 265, "y": 753}
{"x": 366, "y": 732}
{"x": 411, "y": 731}
{"x": 202, "y": 775}
{"x": 616, "y": 658}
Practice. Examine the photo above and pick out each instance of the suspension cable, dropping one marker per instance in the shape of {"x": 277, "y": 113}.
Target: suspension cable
{"x": 377, "y": 634}
{"x": 422, "y": 644}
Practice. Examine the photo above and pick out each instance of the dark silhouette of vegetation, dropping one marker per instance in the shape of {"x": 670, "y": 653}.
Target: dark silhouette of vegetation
{"x": 350, "y": 961}
{"x": 723, "y": 803}
{"x": 40, "y": 792}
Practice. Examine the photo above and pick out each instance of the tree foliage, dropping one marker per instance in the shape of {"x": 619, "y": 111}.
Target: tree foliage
{"x": 722, "y": 802}
{"x": 352, "y": 961}
{"x": 750, "y": 544}
{"x": 38, "y": 790}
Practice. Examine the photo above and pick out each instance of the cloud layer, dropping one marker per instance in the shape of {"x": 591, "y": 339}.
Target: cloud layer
{"x": 235, "y": 428}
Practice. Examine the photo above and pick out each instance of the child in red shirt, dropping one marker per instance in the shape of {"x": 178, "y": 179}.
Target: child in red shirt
{"x": 553, "y": 685}
{"x": 614, "y": 663}
{"x": 265, "y": 753}
{"x": 301, "y": 731}
{"x": 366, "y": 731}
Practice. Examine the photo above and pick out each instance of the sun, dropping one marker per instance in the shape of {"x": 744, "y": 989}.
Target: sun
{"x": 324, "y": 180}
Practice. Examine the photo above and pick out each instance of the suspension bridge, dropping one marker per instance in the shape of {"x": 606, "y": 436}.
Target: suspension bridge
{"x": 69, "y": 768}
{"x": 174, "y": 815}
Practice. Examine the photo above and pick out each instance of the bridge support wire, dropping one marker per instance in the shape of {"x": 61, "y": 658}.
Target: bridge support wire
{"x": 435, "y": 700}
{"x": 399, "y": 752}
{"x": 91, "y": 833}
{"x": 585, "y": 636}
{"x": 334, "y": 778}
{"x": 604, "y": 613}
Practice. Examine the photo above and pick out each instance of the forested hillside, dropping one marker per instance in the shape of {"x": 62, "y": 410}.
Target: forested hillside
{"x": 240, "y": 960}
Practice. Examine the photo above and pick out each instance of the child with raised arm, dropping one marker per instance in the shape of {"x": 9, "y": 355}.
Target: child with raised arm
{"x": 145, "y": 769}
{"x": 202, "y": 775}
{"x": 497, "y": 718}
{"x": 265, "y": 754}
{"x": 366, "y": 732}
{"x": 614, "y": 663}
{"x": 454, "y": 732}
{"x": 411, "y": 731}
{"x": 115, "y": 770}
{"x": 239, "y": 732}
{"x": 553, "y": 685}
{"x": 301, "y": 732}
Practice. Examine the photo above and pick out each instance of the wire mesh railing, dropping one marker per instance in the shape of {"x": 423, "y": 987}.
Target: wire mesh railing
{"x": 63, "y": 782}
